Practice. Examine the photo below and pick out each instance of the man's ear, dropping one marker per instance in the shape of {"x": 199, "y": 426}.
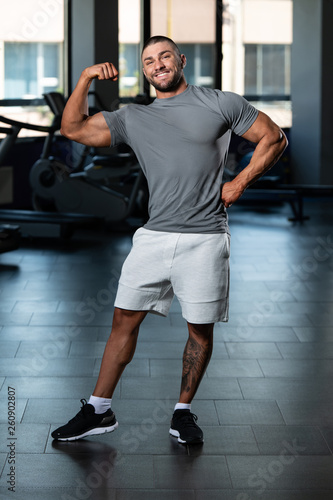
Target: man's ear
{"x": 183, "y": 58}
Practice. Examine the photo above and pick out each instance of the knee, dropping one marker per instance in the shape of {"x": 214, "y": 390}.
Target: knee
{"x": 202, "y": 333}
{"x": 127, "y": 321}
{"x": 123, "y": 336}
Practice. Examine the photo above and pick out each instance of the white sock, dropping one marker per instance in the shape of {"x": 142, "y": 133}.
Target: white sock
{"x": 183, "y": 406}
{"x": 101, "y": 405}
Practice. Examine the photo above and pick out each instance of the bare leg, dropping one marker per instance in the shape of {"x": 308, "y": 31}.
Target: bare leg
{"x": 197, "y": 354}
{"x": 119, "y": 350}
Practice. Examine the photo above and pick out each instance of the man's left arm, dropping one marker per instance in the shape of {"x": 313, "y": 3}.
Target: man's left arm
{"x": 271, "y": 143}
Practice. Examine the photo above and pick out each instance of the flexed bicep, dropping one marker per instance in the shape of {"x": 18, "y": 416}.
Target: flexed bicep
{"x": 76, "y": 124}
{"x": 93, "y": 132}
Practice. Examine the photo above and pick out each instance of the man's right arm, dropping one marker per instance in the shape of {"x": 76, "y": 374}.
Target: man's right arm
{"x": 76, "y": 124}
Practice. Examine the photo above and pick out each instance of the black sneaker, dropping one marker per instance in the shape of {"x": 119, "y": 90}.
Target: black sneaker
{"x": 86, "y": 423}
{"x": 184, "y": 427}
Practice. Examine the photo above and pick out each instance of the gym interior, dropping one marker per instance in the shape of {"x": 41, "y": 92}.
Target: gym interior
{"x": 67, "y": 217}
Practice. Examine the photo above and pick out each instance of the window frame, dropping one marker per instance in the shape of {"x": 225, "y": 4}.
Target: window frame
{"x": 65, "y": 58}
{"x": 263, "y": 96}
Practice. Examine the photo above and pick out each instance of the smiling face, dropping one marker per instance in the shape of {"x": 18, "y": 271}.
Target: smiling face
{"x": 163, "y": 68}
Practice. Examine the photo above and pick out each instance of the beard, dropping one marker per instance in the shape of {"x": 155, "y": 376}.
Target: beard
{"x": 169, "y": 85}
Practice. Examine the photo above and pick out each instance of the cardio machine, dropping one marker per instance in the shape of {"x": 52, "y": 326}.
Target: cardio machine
{"x": 10, "y": 234}
{"x": 30, "y": 222}
{"x": 109, "y": 187}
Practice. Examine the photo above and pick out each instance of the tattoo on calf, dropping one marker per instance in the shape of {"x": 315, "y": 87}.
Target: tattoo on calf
{"x": 195, "y": 360}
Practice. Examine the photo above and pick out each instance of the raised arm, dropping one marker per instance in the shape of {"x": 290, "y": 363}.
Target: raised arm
{"x": 76, "y": 124}
{"x": 271, "y": 142}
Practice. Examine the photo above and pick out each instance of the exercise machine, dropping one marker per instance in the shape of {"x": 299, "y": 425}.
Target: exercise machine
{"x": 271, "y": 188}
{"x": 104, "y": 191}
{"x": 30, "y": 222}
{"x": 9, "y": 234}
{"x": 109, "y": 187}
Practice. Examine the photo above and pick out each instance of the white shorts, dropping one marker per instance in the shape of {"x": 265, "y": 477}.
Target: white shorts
{"x": 194, "y": 267}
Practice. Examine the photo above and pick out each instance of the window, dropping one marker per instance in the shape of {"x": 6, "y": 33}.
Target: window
{"x": 129, "y": 48}
{"x": 267, "y": 69}
{"x": 199, "y": 69}
{"x": 31, "y": 55}
{"x": 129, "y": 60}
{"x": 31, "y": 69}
{"x": 257, "y": 38}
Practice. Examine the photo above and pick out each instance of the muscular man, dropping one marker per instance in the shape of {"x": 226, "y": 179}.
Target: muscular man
{"x": 181, "y": 141}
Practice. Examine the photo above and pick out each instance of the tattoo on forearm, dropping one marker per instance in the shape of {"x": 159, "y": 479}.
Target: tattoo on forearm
{"x": 195, "y": 360}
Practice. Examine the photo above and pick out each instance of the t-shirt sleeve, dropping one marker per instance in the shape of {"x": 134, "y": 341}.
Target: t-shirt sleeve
{"x": 238, "y": 112}
{"x": 116, "y": 121}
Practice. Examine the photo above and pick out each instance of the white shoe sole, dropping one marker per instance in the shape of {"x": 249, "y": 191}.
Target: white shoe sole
{"x": 176, "y": 434}
{"x": 92, "y": 432}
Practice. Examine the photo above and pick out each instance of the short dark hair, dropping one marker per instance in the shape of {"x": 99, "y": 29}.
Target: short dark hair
{"x": 160, "y": 38}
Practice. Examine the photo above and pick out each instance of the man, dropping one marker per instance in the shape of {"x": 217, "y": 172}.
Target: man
{"x": 181, "y": 141}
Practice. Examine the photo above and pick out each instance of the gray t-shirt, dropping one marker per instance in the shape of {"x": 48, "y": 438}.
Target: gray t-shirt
{"x": 181, "y": 143}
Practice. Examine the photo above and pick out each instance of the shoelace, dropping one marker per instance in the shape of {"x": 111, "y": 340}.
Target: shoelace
{"x": 81, "y": 412}
{"x": 189, "y": 419}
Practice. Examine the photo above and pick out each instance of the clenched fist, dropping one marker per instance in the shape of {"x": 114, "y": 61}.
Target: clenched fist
{"x": 103, "y": 71}
{"x": 230, "y": 193}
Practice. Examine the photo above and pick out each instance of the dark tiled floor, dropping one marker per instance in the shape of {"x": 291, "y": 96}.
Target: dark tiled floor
{"x": 265, "y": 403}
